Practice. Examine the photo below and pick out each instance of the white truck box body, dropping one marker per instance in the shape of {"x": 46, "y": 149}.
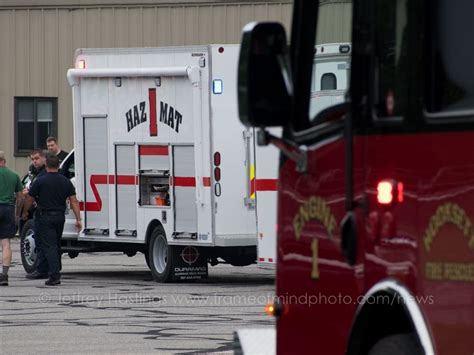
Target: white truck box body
{"x": 116, "y": 146}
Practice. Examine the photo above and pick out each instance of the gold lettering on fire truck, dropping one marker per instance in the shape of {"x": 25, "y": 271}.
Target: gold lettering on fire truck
{"x": 314, "y": 209}
{"x": 451, "y": 271}
{"x": 448, "y": 213}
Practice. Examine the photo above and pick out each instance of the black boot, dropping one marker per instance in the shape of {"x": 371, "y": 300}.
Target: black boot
{"x": 35, "y": 275}
{"x": 52, "y": 282}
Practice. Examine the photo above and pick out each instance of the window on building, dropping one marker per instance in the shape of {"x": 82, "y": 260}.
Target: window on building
{"x": 35, "y": 120}
{"x": 328, "y": 81}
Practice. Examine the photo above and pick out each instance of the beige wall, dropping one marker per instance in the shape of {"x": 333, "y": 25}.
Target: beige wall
{"x": 38, "y": 40}
{"x": 334, "y": 21}
{"x": 114, "y": 3}
{"x": 38, "y": 45}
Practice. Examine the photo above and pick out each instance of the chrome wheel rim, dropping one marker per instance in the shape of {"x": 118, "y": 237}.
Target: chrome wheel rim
{"x": 29, "y": 248}
{"x": 160, "y": 254}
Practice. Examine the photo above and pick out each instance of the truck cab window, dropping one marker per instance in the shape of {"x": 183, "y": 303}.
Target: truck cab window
{"x": 450, "y": 82}
{"x": 391, "y": 52}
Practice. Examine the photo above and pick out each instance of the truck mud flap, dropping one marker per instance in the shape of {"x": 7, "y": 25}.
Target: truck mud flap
{"x": 189, "y": 263}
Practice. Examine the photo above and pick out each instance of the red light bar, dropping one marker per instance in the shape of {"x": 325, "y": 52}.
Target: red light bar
{"x": 217, "y": 158}
{"x": 217, "y": 174}
{"x": 400, "y": 192}
{"x": 389, "y": 191}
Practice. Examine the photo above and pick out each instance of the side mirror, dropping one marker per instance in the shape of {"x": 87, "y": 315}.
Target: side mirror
{"x": 264, "y": 80}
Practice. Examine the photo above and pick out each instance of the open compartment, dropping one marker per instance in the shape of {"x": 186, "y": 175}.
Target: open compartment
{"x": 154, "y": 176}
{"x": 155, "y": 188}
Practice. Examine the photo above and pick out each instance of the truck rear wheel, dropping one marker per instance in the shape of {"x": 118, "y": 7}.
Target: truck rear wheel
{"x": 160, "y": 256}
{"x": 147, "y": 258}
{"x": 28, "y": 247}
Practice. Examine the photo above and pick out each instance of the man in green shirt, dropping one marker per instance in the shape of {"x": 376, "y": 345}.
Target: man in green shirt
{"x": 10, "y": 185}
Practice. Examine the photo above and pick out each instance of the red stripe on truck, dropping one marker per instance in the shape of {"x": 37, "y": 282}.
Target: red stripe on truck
{"x": 95, "y": 206}
{"x": 267, "y": 184}
{"x": 183, "y": 181}
{"x": 206, "y": 181}
{"x": 153, "y": 120}
{"x": 104, "y": 180}
{"x": 124, "y": 179}
{"x": 153, "y": 150}
{"x": 95, "y": 180}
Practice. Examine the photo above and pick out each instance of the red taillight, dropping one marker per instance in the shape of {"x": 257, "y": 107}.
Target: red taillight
{"x": 389, "y": 192}
{"x": 221, "y": 49}
{"x": 217, "y": 158}
{"x": 400, "y": 192}
{"x": 217, "y": 170}
{"x": 217, "y": 174}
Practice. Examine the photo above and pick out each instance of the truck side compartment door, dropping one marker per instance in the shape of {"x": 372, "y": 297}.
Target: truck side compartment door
{"x": 184, "y": 189}
{"x": 125, "y": 190}
{"x": 96, "y": 192}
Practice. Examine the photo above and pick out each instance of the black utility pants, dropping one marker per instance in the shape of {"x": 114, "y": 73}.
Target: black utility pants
{"x": 48, "y": 226}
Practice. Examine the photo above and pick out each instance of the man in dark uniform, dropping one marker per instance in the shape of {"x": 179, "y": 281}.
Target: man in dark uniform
{"x": 38, "y": 163}
{"x": 50, "y": 191}
{"x": 36, "y": 169}
{"x": 53, "y": 148}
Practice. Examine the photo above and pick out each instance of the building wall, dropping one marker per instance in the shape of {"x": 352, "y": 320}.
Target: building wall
{"x": 38, "y": 45}
{"x": 334, "y": 21}
{"x": 38, "y": 40}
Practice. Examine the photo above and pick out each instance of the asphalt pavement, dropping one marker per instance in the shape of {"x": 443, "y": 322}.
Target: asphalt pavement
{"x": 108, "y": 303}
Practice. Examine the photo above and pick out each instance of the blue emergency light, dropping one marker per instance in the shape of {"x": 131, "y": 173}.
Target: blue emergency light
{"x": 217, "y": 86}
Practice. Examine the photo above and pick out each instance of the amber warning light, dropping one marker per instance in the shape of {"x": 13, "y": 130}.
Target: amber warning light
{"x": 81, "y": 64}
{"x": 276, "y": 309}
{"x": 270, "y": 309}
{"x": 389, "y": 192}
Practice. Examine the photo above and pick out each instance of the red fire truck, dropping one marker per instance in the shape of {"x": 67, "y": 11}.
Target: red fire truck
{"x": 376, "y": 202}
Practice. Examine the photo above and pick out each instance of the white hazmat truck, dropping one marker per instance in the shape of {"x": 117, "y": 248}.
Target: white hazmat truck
{"x": 162, "y": 164}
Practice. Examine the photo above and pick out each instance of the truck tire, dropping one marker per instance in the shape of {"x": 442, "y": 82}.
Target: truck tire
{"x": 28, "y": 247}
{"x": 397, "y": 344}
{"x": 147, "y": 259}
{"x": 160, "y": 256}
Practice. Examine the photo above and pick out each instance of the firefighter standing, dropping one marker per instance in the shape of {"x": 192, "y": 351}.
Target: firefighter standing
{"x": 50, "y": 191}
